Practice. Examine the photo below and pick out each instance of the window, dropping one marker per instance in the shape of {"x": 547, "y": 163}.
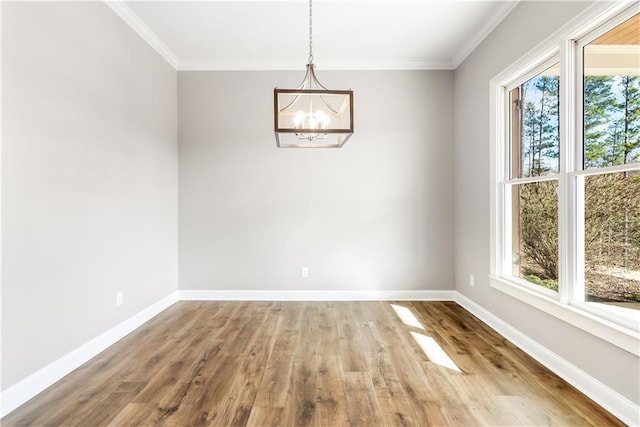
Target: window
{"x": 533, "y": 184}
{"x": 566, "y": 176}
{"x": 609, "y": 180}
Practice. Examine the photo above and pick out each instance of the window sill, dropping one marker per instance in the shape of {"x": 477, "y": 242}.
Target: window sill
{"x": 618, "y": 335}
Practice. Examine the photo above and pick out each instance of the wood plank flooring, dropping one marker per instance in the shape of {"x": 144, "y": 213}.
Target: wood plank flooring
{"x": 312, "y": 364}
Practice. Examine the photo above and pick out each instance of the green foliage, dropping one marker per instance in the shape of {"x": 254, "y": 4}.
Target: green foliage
{"x": 541, "y": 137}
{"x": 611, "y": 120}
{"x": 612, "y": 221}
{"x": 539, "y": 228}
{"x": 612, "y": 201}
{"x": 547, "y": 283}
{"x": 629, "y": 105}
{"x": 632, "y": 296}
{"x": 599, "y": 101}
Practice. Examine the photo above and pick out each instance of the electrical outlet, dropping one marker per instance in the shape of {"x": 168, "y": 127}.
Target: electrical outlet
{"x": 119, "y": 298}
{"x": 471, "y": 281}
{"x": 304, "y": 272}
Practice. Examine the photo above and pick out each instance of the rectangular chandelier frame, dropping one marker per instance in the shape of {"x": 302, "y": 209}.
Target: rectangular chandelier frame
{"x": 334, "y": 136}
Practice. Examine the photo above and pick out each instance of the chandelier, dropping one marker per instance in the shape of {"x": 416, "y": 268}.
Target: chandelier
{"x": 312, "y": 116}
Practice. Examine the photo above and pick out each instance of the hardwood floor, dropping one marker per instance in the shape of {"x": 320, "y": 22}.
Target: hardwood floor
{"x": 312, "y": 363}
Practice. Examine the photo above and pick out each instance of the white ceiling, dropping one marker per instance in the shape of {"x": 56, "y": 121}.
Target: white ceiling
{"x": 347, "y": 34}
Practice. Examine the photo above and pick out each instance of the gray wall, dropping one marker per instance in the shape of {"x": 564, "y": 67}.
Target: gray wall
{"x": 616, "y": 368}
{"x": 89, "y": 178}
{"x": 376, "y": 214}
{"x": 89, "y": 184}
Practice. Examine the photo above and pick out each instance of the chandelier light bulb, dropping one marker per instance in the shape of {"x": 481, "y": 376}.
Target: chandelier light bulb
{"x": 323, "y": 119}
{"x": 298, "y": 119}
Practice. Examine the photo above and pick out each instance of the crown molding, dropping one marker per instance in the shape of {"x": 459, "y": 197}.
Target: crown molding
{"x": 502, "y": 11}
{"x": 195, "y": 65}
{"x": 120, "y": 8}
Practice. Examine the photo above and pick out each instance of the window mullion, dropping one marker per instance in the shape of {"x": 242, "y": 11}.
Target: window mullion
{"x": 577, "y": 288}
{"x": 566, "y": 217}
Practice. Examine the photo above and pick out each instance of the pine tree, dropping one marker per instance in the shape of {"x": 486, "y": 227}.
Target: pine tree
{"x": 540, "y": 132}
{"x": 630, "y": 108}
{"x": 530, "y": 132}
{"x": 598, "y": 104}
{"x": 549, "y": 135}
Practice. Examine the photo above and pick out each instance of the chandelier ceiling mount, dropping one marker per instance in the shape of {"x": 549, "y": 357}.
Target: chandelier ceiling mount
{"x": 312, "y": 116}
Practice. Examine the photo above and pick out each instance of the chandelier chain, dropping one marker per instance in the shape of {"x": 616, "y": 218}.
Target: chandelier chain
{"x": 310, "y": 33}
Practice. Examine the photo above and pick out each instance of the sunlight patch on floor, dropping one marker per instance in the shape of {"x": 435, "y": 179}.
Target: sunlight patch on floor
{"x": 429, "y": 346}
{"x": 434, "y": 352}
{"x": 407, "y": 317}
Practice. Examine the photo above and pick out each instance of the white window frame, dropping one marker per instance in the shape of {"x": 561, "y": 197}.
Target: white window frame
{"x": 548, "y": 60}
{"x": 605, "y": 323}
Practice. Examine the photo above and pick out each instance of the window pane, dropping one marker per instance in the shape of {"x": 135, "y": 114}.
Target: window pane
{"x": 612, "y": 239}
{"x": 612, "y": 97}
{"x": 535, "y": 233}
{"x": 534, "y": 124}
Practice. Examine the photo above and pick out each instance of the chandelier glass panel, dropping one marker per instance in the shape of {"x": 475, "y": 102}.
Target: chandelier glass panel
{"x": 312, "y": 116}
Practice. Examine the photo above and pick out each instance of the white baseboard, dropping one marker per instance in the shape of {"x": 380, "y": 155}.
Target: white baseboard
{"x": 606, "y": 397}
{"x": 609, "y": 399}
{"x": 292, "y": 295}
{"x": 35, "y": 383}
